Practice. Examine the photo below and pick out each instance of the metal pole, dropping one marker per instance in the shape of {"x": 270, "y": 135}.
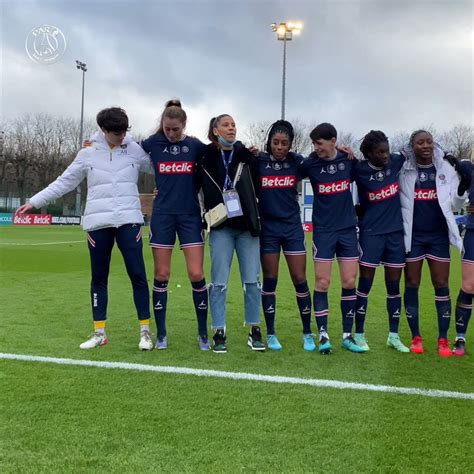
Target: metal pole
{"x": 283, "y": 79}
{"x": 78, "y": 189}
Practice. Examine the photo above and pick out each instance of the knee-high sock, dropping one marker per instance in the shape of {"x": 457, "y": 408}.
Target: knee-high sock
{"x": 411, "y": 309}
{"x": 363, "y": 289}
{"x": 321, "y": 309}
{"x": 394, "y": 305}
{"x": 443, "y": 309}
{"x": 269, "y": 303}
{"x": 160, "y": 301}
{"x": 348, "y": 307}
{"x": 200, "y": 300}
{"x": 303, "y": 299}
{"x": 463, "y": 312}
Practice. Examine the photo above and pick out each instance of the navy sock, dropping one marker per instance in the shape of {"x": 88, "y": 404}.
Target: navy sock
{"x": 348, "y": 307}
{"x": 269, "y": 303}
{"x": 463, "y": 312}
{"x": 321, "y": 309}
{"x": 443, "y": 309}
{"x": 411, "y": 309}
{"x": 160, "y": 300}
{"x": 363, "y": 290}
{"x": 394, "y": 304}
{"x": 200, "y": 300}
{"x": 303, "y": 299}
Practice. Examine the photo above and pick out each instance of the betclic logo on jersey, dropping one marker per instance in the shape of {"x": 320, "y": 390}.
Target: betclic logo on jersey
{"x": 335, "y": 187}
{"x": 426, "y": 195}
{"x": 384, "y": 193}
{"x": 278, "y": 181}
{"x": 175, "y": 167}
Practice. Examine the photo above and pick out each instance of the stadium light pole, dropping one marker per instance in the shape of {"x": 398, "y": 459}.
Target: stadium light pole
{"x": 285, "y": 31}
{"x": 82, "y": 67}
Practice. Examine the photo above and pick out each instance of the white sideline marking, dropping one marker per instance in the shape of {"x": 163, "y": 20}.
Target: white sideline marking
{"x": 44, "y": 243}
{"x": 243, "y": 376}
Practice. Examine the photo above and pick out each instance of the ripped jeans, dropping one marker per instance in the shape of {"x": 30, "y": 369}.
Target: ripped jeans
{"x": 222, "y": 243}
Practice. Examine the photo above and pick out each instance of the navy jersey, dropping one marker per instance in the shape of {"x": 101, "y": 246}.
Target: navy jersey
{"x": 277, "y": 191}
{"x": 469, "y": 167}
{"x": 333, "y": 208}
{"x": 427, "y": 213}
{"x": 175, "y": 173}
{"x": 379, "y": 196}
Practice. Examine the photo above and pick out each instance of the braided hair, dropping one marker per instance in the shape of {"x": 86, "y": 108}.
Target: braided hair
{"x": 415, "y": 133}
{"x": 372, "y": 140}
{"x": 280, "y": 126}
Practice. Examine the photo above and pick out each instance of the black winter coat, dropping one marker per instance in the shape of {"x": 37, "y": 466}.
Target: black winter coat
{"x": 212, "y": 177}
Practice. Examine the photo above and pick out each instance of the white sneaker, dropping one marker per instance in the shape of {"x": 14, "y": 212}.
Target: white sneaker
{"x": 97, "y": 339}
{"x": 145, "y": 344}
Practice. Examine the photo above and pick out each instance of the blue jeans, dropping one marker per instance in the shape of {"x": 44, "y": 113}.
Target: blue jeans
{"x": 222, "y": 243}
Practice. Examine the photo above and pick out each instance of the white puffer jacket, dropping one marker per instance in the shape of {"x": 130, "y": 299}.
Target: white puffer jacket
{"x": 447, "y": 182}
{"x": 112, "y": 177}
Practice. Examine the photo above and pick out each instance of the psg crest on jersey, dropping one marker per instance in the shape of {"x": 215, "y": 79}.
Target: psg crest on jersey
{"x": 341, "y": 166}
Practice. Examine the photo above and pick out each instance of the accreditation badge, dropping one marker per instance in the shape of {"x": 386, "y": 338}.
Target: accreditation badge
{"x": 232, "y": 203}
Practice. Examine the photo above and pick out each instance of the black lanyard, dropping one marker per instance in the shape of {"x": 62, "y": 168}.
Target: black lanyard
{"x": 226, "y": 163}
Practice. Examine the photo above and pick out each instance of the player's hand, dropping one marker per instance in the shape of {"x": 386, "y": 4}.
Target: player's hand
{"x": 254, "y": 150}
{"x": 23, "y": 209}
{"x": 155, "y": 193}
{"x": 346, "y": 149}
{"x": 452, "y": 160}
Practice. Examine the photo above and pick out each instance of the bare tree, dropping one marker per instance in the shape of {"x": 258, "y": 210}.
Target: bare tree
{"x": 398, "y": 141}
{"x": 348, "y": 139}
{"x": 301, "y": 141}
{"x": 459, "y": 141}
{"x": 255, "y": 134}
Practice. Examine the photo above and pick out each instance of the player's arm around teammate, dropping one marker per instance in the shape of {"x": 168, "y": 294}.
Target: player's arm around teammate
{"x": 282, "y": 229}
{"x": 334, "y": 231}
{"x": 112, "y": 214}
{"x": 176, "y": 211}
{"x": 239, "y": 233}
{"x": 428, "y": 186}
{"x": 380, "y": 232}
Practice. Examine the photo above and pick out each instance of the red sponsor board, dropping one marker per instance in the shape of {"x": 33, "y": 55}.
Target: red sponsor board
{"x": 175, "y": 167}
{"x": 278, "y": 181}
{"x": 32, "y": 219}
{"x": 308, "y": 227}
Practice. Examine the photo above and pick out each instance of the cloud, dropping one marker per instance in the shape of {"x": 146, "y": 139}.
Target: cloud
{"x": 391, "y": 65}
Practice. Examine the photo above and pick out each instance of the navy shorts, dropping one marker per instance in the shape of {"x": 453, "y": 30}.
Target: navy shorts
{"x": 468, "y": 250}
{"x": 341, "y": 243}
{"x": 432, "y": 245}
{"x": 385, "y": 249}
{"x": 164, "y": 227}
{"x": 276, "y": 235}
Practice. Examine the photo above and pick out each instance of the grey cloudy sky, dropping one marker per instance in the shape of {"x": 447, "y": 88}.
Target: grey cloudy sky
{"x": 360, "y": 64}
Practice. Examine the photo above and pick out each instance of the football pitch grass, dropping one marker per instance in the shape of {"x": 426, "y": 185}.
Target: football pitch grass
{"x": 62, "y": 418}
